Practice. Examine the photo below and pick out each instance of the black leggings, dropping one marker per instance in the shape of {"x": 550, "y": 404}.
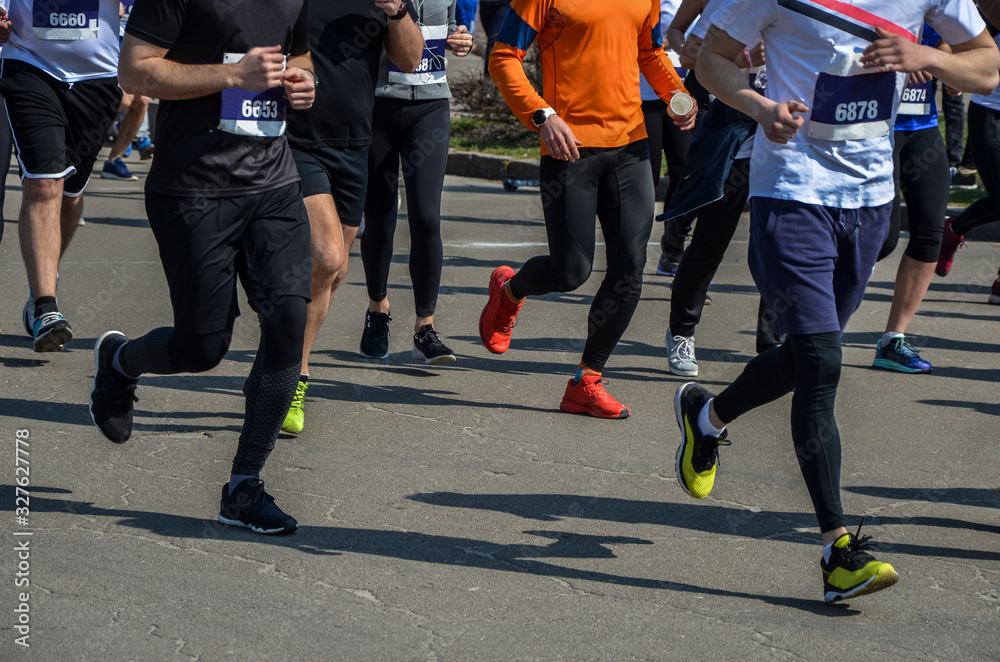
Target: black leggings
{"x": 984, "y": 137}
{"x": 613, "y": 185}
{"x": 809, "y": 365}
{"x": 269, "y": 388}
{"x": 665, "y": 137}
{"x": 416, "y": 132}
{"x": 921, "y": 174}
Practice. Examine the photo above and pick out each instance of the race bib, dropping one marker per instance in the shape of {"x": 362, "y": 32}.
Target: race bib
{"x": 70, "y": 20}
{"x": 918, "y": 99}
{"x": 244, "y": 113}
{"x": 431, "y": 69}
{"x": 849, "y": 104}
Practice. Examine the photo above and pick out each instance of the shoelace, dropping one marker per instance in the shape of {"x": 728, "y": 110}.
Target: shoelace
{"x": 904, "y": 349}
{"x": 430, "y": 338}
{"x": 685, "y": 348}
{"x": 507, "y": 314}
{"x": 379, "y": 329}
{"x": 858, "y": 544}
{"x": 299, "y": 398}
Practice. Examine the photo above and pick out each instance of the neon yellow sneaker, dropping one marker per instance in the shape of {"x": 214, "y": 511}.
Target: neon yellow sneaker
{"x": 698, "y": 453}
{"x": 296, "y": 418}
{"x": 852, "y": 571}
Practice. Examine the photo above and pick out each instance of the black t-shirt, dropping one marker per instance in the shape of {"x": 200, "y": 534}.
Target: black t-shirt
{"x": 194, "y": 158}
{"x": 346, "y": 39}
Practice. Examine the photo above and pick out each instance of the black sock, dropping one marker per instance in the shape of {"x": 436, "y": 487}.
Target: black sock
{"x": 304, "y": 378}
{"x": 45, "y": 305}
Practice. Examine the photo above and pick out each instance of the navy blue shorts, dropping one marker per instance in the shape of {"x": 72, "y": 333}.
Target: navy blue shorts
{"x": 812, "y": 263}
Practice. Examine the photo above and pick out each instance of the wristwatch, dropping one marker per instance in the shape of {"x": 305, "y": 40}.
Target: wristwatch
{"x": 315, "y": 77}
{"x": 540, "y": 117}
{"x": 404, "y": 9}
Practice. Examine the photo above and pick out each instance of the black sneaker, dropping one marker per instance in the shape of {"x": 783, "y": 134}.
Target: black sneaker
{"x": 112, "y": 396}
{"x": 427, "y": 347}
{"x": 965, "y": 181}
{"x": 375, "y": 337}
{"x": 251, "y": 507}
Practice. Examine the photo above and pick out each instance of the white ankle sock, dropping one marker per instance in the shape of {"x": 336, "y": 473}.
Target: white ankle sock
{"x": 705, "y": 425}
{"x": 889, "y": 335}
{"x": 827, "y": 551}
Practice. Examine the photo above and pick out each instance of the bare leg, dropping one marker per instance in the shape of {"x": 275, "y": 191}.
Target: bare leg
{"x": 137, "y": 106}
{"x": 912, "y": 280}
{"x": 41, "y": 229}
{"x": 330, "y": 244}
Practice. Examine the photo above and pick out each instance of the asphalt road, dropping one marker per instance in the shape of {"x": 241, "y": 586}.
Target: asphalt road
{"x": 454, "y": 513}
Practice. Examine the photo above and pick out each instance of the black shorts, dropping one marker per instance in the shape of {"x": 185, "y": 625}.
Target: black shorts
{"x": 340, "y": 171}
{"x": 206, "y": 242}
{"x": 58, "y": 128}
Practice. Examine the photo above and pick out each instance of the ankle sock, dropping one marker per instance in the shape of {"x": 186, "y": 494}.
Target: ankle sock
{"x": 705, "y": 424}
{"x": 45, "y": 305}
{"x": 505, "y": 289}
{"x": 583, "y": 371}
{"x": 116, "y": 365}
{"x": 304, "y": 378}
{"x": 888, "y": 336}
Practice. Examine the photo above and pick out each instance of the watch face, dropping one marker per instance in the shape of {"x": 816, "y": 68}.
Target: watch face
{"x": 538, "y": 117}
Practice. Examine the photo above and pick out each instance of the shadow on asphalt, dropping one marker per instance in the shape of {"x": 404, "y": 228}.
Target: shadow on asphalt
{"x": 709, "y": 518}
{"x": 964, "y": 496}
{"x": 418, "y": 547}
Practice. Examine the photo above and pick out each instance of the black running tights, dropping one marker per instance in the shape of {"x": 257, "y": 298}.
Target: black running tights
{"x": 269, "y": 388}
{"x": 417, "y": 133}
{"x": 984, "y": 137}
{"x": 614, "y": 185}
{"x": 809, "y": 366}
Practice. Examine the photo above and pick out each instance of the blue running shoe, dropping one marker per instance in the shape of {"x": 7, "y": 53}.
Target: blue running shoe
{"x": 117, "y": 170}
{"x": 665, "y": 267}
{"x": 128, "y": 151}
{"x": 51, "y": 332}
{"x": 899, "y": 356}
{"x": 145, "y": 147}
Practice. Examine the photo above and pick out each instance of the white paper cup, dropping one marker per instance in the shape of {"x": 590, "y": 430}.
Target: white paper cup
{"x": 680, "y": 104}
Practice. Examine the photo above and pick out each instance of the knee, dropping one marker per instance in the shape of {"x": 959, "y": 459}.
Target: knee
{"x": 198, "y": 352}
{"x": 41, "y": 190}
{"x": 818, "y": 358}
{"x": 139, "y": 104}
{"x": 570, "y": 276}
{"x": 283, "y": 329}
{"x": 338, "y": 278}
{"x": 328, "y": 261}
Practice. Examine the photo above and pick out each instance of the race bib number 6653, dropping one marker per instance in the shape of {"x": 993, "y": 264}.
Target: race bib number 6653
{"x": 245, "y": 113}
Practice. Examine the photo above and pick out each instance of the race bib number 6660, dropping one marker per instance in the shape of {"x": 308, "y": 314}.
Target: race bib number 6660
{"x": 68, "y": 20}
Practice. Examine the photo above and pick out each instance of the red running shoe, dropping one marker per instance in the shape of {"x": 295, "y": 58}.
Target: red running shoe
{"x": 499, "y": 314}
{"x": 951, "y": 243}
{"x": 590, "y": 397}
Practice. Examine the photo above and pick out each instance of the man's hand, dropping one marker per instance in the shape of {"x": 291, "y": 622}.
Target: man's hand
{"x": 5, "y": 28}
{"x": 559, "y": 139}
{"x": 686, "y": 122}
{"x": 780, "y": 121}
{"x": 260, "y": 69}
{"x": 390, "y": 7}
{"x": 891, "y": 52}
{"x": 918, "y": 78}
{"x": 460, "y": 41}
{"x": 300, "y": 87}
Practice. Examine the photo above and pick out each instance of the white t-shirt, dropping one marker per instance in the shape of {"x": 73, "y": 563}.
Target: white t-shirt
{"x": 842, "y": 154}
{"x": 668, "y": 8}
{"x": 991, "y": 101}
{"x": 77, "y": 41}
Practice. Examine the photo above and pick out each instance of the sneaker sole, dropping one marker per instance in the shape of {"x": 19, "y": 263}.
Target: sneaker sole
{"x": 680, "y": 449}
{"x": 892, "y": 366}
{"x": 660, "y": 272}
{"x": 370, "y": 356}
{"x": 25, "y": 321}
{"x": 876, "y": 583}
{"x": 994, "y": 299}
{"x": 574, "y": 408}
{"x": 444, "y": 359}
{"x": 54, "y": 340}
{"x": 120, "y": 179}
{"x": 255, "y": 529}
{"x": 93, "y": 386}
{"x": 682, "y": 373}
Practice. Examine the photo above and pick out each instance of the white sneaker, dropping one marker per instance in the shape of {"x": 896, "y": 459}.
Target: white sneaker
{"x": 680, "y": 355}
